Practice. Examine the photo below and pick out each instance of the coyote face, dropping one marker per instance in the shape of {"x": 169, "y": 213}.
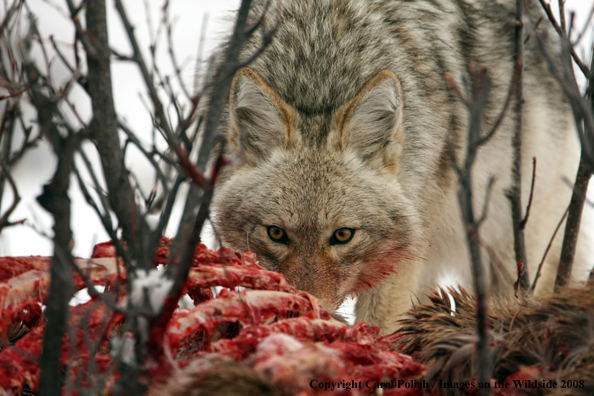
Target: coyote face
{"x": 329, "y": 216}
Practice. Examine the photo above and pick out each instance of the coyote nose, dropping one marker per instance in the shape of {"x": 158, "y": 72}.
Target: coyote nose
{"x": 315, "y": 281}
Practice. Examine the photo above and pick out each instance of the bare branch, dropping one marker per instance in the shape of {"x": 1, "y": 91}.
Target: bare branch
{"x": 104, "y": 129}
{"x": 561, "y": 31}
{"x": 107, "y": 299}
{"x": 514, "y": 194}
{"x": 486, "y": 203}
{"x": 134, "y": 139}
{"x": 7, "y": 128}
{"x": 174, "y": 58}
{"x": 584, "y": 121}
{"x": 199, "y": 53}
{"x": 166, "y": 213}
{"x": 520, "y": 272}
{"x": 223, "y": 84}
{"x": 476, "y": 100}
{"x": 56, "y": 201}
{"x": 572, "y": 227}
{"x": 512, "y": 88}
{"x": 586, "y": 27}
{"x": 179, "y": 273}
{"x": 16, "y": 198}
{"x": 562, "y": 15}
{"x": 538, "y": 271}
{"x": 60, "y": 54}
{"x": 10, "y": 11}
{"x": 525, "y": 220}
{"x": 148, "y": 80}
{"x": 105, "y": 216}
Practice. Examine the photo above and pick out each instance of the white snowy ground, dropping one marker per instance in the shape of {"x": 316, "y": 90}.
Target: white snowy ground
{"x": 38, "y": 165}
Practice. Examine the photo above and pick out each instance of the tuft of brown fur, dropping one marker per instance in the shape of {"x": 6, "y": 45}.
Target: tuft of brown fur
{"x": 218, "y": 376}
{"x": 552, "y": 337}
{"x": 16, "y": 331}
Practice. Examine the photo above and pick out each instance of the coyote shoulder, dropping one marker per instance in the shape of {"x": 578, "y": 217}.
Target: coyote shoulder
{"x": 346, "y": 184}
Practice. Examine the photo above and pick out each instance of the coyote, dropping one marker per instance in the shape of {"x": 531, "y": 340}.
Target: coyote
{"x": 342, "y": 126}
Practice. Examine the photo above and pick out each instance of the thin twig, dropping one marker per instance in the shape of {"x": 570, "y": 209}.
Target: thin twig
{"x": 547, "y": 8}
{"x": 199, "y": 53}
{"x": 16, "y": 198}
{"x": 14, "y": 7}
{"x": 520, "y": 272}
{"x": 166, "y": 213}
{"x": 562, "y": 15}
{"x": 483, "y": 216}
{"x": 544, "y": 256}
{"x": 60, "y": 54}
{"x": 148, "y": 80}
{"x": 516, "y": 77}
{"x": 7, "y": 129}
{"x": 586, "y": 28}
{"x": 176, "y": 67}
{"x": 111, "y": 303}
{"x": 529, "y": 206}
{"x": 105, "y": 215}
{"x": 223, "y": 84}
{"x": 179, "y": 273}
{"x": 134, "y": 139}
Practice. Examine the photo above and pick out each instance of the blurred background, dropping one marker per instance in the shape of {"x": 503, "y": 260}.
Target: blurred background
{"x": 191, "y": 19}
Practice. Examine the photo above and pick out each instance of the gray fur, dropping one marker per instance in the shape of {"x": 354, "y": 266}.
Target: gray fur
{"x": 309, "y": 175}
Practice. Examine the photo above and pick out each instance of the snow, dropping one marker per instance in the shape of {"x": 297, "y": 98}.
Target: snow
{"x": 347, "y": 310}
{"x": 122, "y": 348}
{"x": 82, "y": 296}
{"x": 151, "y": 285}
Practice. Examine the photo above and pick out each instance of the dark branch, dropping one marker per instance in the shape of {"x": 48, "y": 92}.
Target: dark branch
{"x": 104, "y": 129}
{"x": 531, "y": 196}
{"x": 584, "y": 121}
{"x": 476, "y": 101}
{"x": 538, "y": 271}
{"x": 16, "y": 198}
{"x": 572, "y": 227}
{"x": 561, "y": 32}
{"x": 515, "y": 192}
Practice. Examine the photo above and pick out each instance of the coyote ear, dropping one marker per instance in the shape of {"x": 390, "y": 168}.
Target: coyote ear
{"x": 371, "y": 123}
{"x": 260, "y": 121}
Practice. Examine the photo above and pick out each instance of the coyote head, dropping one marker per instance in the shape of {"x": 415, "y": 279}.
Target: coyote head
{"x": 318, "y": 196}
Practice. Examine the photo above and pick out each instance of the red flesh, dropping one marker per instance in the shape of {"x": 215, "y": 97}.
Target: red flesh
{"x": 270, "y": 312}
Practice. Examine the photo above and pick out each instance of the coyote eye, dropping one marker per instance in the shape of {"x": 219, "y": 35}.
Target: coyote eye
{"x": 278, "y": 235}
{"x": 342, "y": 236}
